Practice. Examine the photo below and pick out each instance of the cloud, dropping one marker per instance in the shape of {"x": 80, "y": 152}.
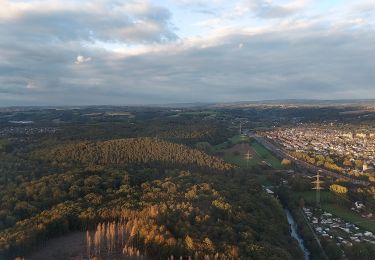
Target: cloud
{"x": 270, "y": 65}
{"x": 130, "y": 54}
{"x": 81, "y": 59}
{"x": 32, "y": 85}
{"x": 107, "y": 21}
{"x": 268, "y": 8}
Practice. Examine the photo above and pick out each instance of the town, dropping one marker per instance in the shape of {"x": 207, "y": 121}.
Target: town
{"x": 350, "y": 150}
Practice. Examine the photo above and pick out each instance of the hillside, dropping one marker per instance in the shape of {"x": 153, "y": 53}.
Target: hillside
{"x": 143, "y": 197}
{"x": 179, "y": 213}
{"x": 133, "y": 151}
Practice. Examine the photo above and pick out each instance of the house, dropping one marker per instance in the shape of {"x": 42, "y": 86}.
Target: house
{"x": 359, "y": 205}
{"x": 368, "y": 234}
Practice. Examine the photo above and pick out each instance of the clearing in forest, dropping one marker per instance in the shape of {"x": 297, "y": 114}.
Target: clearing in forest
{"x": 237, "y": 154}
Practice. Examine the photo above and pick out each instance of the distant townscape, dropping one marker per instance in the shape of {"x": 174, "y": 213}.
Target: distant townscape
{"x": 345, "y": 148}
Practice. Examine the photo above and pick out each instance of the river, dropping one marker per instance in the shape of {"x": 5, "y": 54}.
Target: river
{"x": 295, "y": 234}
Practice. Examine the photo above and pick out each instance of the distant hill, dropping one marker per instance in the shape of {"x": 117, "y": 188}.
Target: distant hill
{"x": 300, "y": 103}
{"x": 203, "y": 105}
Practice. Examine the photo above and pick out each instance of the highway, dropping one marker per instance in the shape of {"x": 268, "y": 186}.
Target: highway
{"x": 302, "y": 164}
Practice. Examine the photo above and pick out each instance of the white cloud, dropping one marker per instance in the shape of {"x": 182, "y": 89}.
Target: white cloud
{"x": 267, "y": 8}
{"x": 81, "y": 59}
{"x": 31, "y": 85}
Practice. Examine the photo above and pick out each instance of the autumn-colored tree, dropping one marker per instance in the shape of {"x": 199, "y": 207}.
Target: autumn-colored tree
{"x": 338, "y": 189}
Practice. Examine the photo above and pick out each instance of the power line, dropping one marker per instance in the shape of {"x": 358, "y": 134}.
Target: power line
{"x": 317, "y": 187}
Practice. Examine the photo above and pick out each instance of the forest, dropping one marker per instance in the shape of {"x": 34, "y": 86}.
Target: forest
{"x": 139, "y": 182}
{"x": 190, "y": 209}
{"x": 133, "y": 151}
{"x": 137, "y": 188}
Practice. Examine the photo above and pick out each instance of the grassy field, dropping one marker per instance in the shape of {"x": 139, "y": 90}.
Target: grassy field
{"x": 266, "y": 155}
{"x": 330, "y": 203}
{"x": 259, "y": 154}
{"x": 241, "y": 161}
{"x": 239, "y": 138}
{"x": 231, "y": 141}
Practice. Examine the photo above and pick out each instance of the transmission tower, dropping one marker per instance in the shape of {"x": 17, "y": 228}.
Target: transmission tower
{"x": 317, "y": 186}
{"x": 247, "y": 157}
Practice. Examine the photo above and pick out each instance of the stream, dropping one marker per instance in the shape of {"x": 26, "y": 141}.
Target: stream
{"x": 295, "y": 234}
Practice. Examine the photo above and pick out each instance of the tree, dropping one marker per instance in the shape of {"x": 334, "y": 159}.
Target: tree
{"x": 338, "y": 189}
{"x": 285, "y": 162}
{"x": 333, "y": 251}
{"x": 208, "y": 246}
{"x": 24, "y": 209}
{"x": 189, "y": 243}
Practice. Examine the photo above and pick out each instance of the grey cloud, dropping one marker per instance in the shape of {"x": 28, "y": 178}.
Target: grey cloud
{"x": 269, "y": 66}
{"x": 122, "y": 25}
{"x": 312, "y": 62}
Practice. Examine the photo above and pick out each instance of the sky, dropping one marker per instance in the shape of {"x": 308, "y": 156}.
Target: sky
{"x": 98, "y": 52}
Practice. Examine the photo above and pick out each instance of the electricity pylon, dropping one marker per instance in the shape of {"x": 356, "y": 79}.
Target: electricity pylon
{"x": 247, "y": 157}
{"x": 317, "y": 187}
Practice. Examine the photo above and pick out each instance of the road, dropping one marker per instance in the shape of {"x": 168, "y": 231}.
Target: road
{"x": 302, "y": 164}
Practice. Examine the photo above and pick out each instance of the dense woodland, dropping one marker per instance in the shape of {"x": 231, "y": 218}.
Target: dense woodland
{"x": 139, "y": 177}
{"x": 134, "y": 175}
{"x": 141, "y": 151}
{"x": 176, "y": 212}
